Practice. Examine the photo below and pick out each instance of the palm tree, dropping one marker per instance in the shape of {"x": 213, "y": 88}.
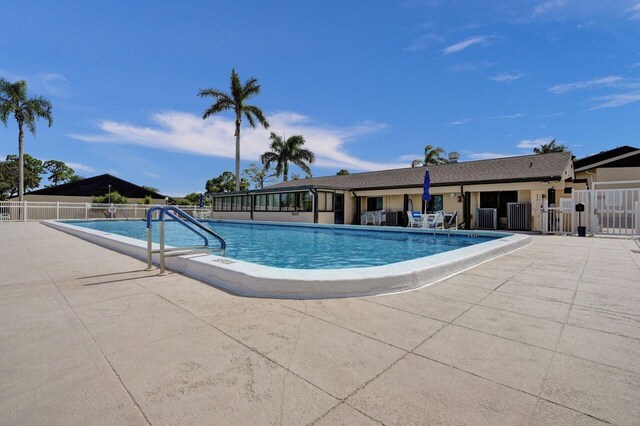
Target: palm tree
{"x": 236, "y": 101}
{"x": 290, "y": 151}
{"x": 14, "y": 100}
{"x": 547, "y": 148}
{"x": 432, "y": 155}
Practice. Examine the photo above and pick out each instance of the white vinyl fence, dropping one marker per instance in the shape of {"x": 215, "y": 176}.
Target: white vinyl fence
{"x": 31, "y": 210}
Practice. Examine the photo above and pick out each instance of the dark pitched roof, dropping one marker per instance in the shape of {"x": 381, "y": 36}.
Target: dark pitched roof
{"x": 510, "y": 169}
{"x": 96, "y": 186}
{"x": 606, "y": 155}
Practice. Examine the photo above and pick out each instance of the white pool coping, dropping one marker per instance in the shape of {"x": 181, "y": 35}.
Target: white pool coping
{"x": 251, "y": 279}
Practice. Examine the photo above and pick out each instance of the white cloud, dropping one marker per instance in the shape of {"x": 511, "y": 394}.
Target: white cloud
{"x": 462, "y": 45}
{"x": 506, "y": 77}
{"x": 499, "y": 117}
{"x": 485, "y": 155}
{"x": 616, "y": 100}
{"x": 547, "y": 6}
{"x": 423, "y": 42}
{"x": 459, "y": 122}
{"x": 50, "y": 83}
{"x": 80, "y": 167}
{"x": 187, "y": 133}
{"x": 532, "y": 143}
{"x": 608, "y": 81}
{"x": 471, "y": 66}
{"x": 151, "y": 175}
{"x": 633, "y": 13}
{"x": 410, "y": 157}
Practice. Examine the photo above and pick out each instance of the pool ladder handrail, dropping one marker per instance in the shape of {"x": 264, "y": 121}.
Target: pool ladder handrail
{"x": 188, "y": 222}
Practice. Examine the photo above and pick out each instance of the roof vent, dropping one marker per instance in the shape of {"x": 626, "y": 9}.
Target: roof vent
{"x": 453, "y": 157}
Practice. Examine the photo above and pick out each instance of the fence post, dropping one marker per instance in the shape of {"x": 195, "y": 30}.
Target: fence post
{"x": 638, "y": 217}
{"x": 86, "y": 211}
{"x": 57, "y": 210}
{"x": 24, "y": 211}
{"x": 544, "y": 223}
{"x": 135, "y": 210}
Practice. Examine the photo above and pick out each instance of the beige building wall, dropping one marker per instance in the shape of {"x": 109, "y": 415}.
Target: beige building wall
{"x": 231, "y": 215}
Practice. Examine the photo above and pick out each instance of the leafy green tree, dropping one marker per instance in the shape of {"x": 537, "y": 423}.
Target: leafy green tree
{"x": 290, "y": 151}
{"x": 193, "y": 199}
{"x": 225, "y": 183}
{"x": 26, "y": 110}
{"x": 115, "y": 198}
{"x": 343, "y": 172}
{"x": 258, "y": 176}
{"x": 236, "y": 101}
{"x": 59, "y": 172}
{"x": 10, "y": 174}
{"x": 547, "y": 148}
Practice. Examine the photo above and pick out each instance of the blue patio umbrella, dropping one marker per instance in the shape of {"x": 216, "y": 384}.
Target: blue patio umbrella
{"x": 425, "y": 187}
{"x": 201, "y": 200}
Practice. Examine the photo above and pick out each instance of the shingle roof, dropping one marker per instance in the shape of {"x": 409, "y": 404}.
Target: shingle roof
{"x": 508, "y": 169}
{"x": 96, "y": 186}
{"x": 603, "y": 156}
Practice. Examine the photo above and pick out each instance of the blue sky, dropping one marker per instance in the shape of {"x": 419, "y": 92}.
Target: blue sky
{"x": 368, "y": 83}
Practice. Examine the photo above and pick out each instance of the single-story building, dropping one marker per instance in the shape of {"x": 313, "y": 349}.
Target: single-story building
{"x": 620, "y": 164}
{"x": 83, "y": 191}
{"x": 461, "y": 186}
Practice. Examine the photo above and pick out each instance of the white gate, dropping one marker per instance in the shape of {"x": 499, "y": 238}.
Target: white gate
{"x": 557, "y": 220}
{"x": 610, "y": 211}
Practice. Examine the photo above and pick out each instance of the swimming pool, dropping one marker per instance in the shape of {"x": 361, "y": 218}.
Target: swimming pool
{"x": 305, "y": 247}
{"x": 309, "y": 261}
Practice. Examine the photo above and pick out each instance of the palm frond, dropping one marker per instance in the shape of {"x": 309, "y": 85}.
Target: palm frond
{"x": 257, "y": 113}
{"x": 250, "y": 119}
{"x": 219, "y": 106}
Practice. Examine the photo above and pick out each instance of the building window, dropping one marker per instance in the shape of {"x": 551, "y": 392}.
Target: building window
{"x": 304, "y": 201}
{"x": 279, "y": 202}
{"x": 374, "y": 203}
{"x": 325, "y": 201}
{"x": 435, "y": 204}
{"x": 236, "y": 203}
{"x": 261, "y": 203}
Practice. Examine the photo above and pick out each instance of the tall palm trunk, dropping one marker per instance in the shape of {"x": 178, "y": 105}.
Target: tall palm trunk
{"x": 286, "y": 172}
{"x": 20, "y": 161}
{"x": 237, "y": 155}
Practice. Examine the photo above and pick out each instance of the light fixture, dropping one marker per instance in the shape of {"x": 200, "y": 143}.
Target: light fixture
{"x": 452, "y": 195}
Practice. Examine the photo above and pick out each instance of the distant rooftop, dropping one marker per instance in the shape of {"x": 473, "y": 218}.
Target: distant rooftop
{"x": 605, "y": 158}
{"x": 508, "y": 169}
{"x": 97, "y": 186}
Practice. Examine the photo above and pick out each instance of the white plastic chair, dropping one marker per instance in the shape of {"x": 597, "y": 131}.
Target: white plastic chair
{"x": 413, "y": 221}
{"x": 435, "y": 221}
{"x": 5, "y": 217}
{"x": 379, "y": 217}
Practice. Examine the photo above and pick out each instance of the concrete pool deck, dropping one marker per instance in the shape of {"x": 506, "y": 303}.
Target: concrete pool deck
{"x": 549, "y": 334}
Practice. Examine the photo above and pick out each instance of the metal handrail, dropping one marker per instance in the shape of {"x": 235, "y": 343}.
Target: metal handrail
{"x": 168, "y": 209}
{"x": 188, "y": 222}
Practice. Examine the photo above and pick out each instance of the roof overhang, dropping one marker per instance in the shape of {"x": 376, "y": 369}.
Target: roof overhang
{"x": 608, "y": 160}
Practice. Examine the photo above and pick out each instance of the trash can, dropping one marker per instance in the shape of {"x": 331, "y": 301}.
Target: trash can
{"x": 582, "y": 230}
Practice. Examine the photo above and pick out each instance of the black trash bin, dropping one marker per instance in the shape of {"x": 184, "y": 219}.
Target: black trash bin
{"x": 582, "y": 230}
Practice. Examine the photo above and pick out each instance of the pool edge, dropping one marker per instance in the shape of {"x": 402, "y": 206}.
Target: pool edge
{"x": 253, "y": 280}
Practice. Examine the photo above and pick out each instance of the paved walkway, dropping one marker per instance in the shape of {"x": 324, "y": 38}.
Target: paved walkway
{"x": 547, "y": 335}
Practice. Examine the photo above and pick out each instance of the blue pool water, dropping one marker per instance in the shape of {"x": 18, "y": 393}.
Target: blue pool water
{"x": 302, "y": 247}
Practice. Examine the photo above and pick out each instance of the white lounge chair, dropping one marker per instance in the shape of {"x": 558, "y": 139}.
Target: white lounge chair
{"x": 452, "y": 223}
{"x": 379, "y": 217}
{"x": 414, "y": 219}
{"x": 437, "y": 220}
